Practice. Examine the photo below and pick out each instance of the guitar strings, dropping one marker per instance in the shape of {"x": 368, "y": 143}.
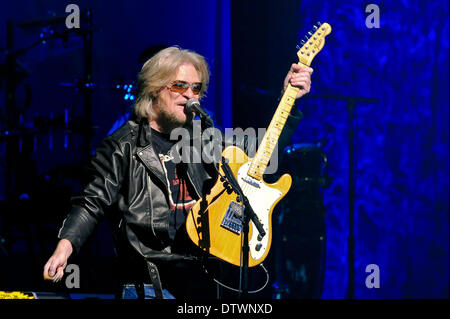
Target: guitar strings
{"x": 248, "y": 191}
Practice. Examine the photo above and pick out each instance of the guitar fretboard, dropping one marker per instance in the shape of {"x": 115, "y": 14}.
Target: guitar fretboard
{"x": 270, "y": 139}
{"x": 306, "y": 53}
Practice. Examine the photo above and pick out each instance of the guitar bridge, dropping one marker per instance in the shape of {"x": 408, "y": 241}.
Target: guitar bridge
{"x": 232, "y": 220}
{"x": 251, "y": 182}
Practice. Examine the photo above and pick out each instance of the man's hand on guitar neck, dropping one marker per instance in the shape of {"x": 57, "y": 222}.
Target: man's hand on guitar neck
{"x": 299, "y": 76}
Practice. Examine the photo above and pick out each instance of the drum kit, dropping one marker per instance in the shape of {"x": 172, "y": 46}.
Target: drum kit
{"x": 30, "y": 197}
{"x": 22, "y": 134}
{"x": 300, "y": 218}
{"x": 13, "y": 74}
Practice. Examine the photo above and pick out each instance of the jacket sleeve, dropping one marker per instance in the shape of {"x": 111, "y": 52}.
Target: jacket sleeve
{"x": 289, "y": 129}
{"x": 106, "y": 174}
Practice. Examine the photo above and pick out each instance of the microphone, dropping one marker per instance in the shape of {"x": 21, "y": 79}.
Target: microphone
{"x": 193, "y": 105}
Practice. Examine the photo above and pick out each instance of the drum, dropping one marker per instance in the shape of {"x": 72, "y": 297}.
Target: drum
{"x": 307, "y": 163}
{"x": 299, "y": 224}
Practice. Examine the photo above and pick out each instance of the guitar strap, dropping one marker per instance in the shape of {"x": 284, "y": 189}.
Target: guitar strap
{"x": 156, "y": 280}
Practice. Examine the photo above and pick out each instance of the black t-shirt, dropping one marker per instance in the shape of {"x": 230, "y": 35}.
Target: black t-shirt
{"x": 179, "y": 189}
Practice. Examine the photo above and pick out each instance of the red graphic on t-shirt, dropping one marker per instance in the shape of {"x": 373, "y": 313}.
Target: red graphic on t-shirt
{"x": 175, "y": 189}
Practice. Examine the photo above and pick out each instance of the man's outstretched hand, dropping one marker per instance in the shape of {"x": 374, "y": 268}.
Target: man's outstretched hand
{"x": 54, "y": 268}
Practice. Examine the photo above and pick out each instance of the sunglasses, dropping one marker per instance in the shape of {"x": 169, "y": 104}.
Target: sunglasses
{"x": 182, "y": 86}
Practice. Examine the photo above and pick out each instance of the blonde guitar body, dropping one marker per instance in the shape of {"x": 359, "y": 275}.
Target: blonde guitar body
{"x": 224, "y": 230}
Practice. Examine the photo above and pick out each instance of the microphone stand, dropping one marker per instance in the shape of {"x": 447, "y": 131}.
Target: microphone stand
{"x": 206, "y": 121}
{"x": 248, "y": 214}
{"x": 351, "y": 103}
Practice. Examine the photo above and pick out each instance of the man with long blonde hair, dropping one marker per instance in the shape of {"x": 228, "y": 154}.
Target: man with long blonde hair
{"x": 143, "y": 193}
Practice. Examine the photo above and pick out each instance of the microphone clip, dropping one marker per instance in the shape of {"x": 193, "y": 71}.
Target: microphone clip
{"x": 193, "y": 105}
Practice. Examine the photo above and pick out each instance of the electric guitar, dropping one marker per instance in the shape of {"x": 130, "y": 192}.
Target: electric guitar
{"x": 214, "y": 223}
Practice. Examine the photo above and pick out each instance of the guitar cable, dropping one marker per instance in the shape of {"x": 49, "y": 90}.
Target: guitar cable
{"x": 239, "y": 290}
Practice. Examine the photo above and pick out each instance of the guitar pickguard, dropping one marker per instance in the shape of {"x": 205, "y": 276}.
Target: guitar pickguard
{"x": 262, "y": 199}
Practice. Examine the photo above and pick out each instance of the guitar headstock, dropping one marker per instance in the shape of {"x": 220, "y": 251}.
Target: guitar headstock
{"x": 314, "y": 43}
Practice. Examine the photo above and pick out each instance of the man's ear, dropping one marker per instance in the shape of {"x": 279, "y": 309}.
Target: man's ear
{"x": 154, "y": 95}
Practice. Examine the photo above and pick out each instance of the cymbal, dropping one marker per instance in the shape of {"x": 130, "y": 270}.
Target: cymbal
{"x": 121, "y": 87}
{"x": 41, "y": 22}
{"x": 46, "y": 21}
{"x": 42, "y": 125}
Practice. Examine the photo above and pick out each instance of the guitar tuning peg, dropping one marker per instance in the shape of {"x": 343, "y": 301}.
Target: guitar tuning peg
{"x": 297, "y": 47}
{"x": 306, "y": 37}
{"x": 310, "y": 34}
{"x": 319, "y": 24}
{"x": 303, "y": 42}
{"x": 315, "y": 28}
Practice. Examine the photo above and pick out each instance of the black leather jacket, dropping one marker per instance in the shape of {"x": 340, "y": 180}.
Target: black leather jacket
{"x": 127, "y": 186}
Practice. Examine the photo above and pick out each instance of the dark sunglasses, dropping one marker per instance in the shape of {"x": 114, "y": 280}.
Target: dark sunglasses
{"x": 182, "y": 86}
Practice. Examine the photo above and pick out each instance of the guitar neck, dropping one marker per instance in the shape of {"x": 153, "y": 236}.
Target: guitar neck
{"x": 270, "y": 139}
{"x": 306, "y": 53}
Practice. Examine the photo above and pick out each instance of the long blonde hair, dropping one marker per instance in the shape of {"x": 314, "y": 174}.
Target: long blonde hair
{"x": 158, "y": 72}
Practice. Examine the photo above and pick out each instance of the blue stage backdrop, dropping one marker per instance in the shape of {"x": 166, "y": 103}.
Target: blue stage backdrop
{"x": 401, "y": 144}
{"x": 401, "y": 135}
